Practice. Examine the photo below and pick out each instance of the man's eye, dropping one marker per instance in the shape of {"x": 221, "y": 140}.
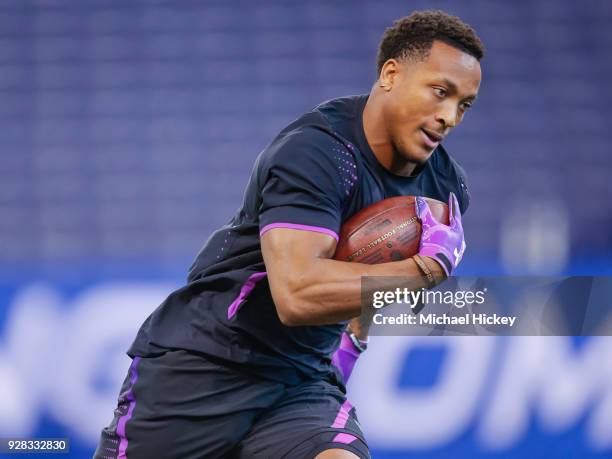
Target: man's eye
{"x": 440, "y": 92}
{"x": 466, "y": 105}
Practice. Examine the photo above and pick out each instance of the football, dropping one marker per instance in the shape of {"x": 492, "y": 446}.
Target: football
{"x": 385, "y": 231}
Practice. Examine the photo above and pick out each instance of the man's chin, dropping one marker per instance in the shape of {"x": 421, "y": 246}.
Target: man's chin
{"x": 419, "y": 157}
{"x": 414, "y": 152}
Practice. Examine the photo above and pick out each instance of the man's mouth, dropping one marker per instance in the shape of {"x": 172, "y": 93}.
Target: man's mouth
{"x": 432, "y": 139}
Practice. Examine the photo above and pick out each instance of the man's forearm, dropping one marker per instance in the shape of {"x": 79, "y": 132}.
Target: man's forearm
{"x": 330, "y": 291}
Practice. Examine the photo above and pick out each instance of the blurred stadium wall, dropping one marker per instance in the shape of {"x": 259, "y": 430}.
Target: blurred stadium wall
{"x": 127, "y": 133}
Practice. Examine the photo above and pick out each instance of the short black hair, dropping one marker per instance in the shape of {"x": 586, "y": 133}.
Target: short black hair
{"x": 413, "y": 35}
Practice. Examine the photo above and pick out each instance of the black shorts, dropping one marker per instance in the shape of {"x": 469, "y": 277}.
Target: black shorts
{"x": 184, "y": 405}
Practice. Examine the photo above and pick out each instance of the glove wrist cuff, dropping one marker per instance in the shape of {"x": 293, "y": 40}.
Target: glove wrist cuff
{"x": 440, "y": 254}
{"x": 360, "y": 346}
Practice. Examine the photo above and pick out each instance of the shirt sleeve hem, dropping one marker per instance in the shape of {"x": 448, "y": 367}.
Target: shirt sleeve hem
{"x": 316, "y": 229}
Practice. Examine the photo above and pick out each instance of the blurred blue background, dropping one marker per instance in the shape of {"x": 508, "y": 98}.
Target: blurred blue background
{"x": 128, "y": 131}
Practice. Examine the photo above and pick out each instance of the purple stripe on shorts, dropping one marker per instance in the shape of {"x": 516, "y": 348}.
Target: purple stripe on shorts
{"x": 245, "y": 291}
{"x": 344, "y": 438}
{"x": 127, "y": 416}
{"x": 342, "y": 416}
{"x": 316, "y": 229}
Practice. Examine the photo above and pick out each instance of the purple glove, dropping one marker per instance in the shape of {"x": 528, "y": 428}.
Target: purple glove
{"x": 346, "y": 355}
{"x": 445, "y": 244}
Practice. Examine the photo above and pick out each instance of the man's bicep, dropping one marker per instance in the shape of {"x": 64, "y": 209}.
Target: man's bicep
{"x": 289, "y": 256}
{"x": 293, "y": 249}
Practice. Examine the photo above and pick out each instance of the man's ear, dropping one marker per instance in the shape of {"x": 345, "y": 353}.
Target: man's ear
{"x": 388, "y": 74}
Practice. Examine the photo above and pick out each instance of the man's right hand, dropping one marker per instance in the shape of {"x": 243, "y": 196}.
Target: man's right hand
{"x": 443, "y": 243}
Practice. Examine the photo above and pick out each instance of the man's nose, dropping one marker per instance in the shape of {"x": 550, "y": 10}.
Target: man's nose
{"x": 448, "y": 115}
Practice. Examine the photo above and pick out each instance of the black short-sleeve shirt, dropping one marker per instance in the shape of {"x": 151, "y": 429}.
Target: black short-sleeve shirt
{"x": 313, "y": 176}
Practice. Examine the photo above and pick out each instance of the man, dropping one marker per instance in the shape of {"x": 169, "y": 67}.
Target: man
{"x": 238, "y": 363}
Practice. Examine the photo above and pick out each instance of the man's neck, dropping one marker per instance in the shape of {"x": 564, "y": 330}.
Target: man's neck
{"x": 378, "y": 138}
